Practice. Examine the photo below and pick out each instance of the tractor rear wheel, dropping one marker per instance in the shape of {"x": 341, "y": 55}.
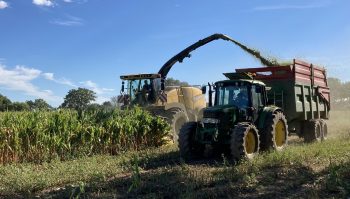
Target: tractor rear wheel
{"x": 312, "y": 131}
{"x": 176, "y": 118}
{"x": 188, "y": 146}
{"x": 244, "y": 141}
{"x": 275, "y": 132}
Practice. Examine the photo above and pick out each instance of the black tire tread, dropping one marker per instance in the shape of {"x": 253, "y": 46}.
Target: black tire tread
{"x": 310, "y": 131}
{"x": 171, "y": 116}
{"x": 324, "y": 130}
{"x": 267, "y": 136}
{"x": 189, "y": 149}
{"x": 237, "y": 146}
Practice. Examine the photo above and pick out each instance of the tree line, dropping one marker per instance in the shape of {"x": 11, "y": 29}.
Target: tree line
{"x": 38, "y": 104}
{"x": 83, "y": 99}
{"x": 340, "y": 93}
{"x": 79, "y": 99}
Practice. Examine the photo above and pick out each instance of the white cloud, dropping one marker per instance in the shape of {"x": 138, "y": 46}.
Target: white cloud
{"x": 290, "y": 7}
{"x": 48, "y": 76}
{"x": 101, "y": 99}
{"x": 69, "y": 21}
{"x": 3, "y": 4}
{"x": 101, "y": 92}
{"x": 76, "y": 1}
{"x": 64, "y": 81}
{"x": 48, "y": 3}
{"x": 20, "y": 79}
{"x": 93, "y": 86}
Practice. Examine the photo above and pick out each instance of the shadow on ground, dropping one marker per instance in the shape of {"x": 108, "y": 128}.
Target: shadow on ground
{"x": 217, "y": 180}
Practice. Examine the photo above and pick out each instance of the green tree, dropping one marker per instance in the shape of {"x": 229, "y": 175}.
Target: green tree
{"x": 39, "y": 104}
{"x": 174, "y": 82}
{"x": 93, "y": 107}
{"x": 114, "y": 101}
{"x": 336, "y": 88}
{"x": 78, "y": 99}
{"x": 340, "y": 93}
{"x": 20, "y": 106}
{"x": 5, "y": 103}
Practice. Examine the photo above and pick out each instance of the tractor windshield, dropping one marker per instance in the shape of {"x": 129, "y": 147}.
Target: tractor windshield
{"x": 143, "y": 91}
{"x": 232, "y": 94}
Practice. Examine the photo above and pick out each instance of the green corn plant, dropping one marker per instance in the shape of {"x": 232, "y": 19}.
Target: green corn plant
{"x": 64, "y": 134}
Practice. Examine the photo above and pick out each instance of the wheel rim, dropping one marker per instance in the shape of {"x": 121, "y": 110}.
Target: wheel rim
{"x": 250, "y": 142}
{"x": 280, "y": 133}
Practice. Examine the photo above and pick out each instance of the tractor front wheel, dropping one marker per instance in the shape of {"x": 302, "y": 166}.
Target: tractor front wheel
{"x": 244, "y": 141}
{"x": 188, "y": 146}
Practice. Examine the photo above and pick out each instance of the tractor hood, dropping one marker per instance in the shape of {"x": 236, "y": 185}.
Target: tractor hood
{"x": 219, "y": 111}
{"x": 223, "y": 118}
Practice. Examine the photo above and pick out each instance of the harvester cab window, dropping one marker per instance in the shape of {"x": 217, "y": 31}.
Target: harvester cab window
{"x": 133, "y": 87}
{"x": 143, "y": 91}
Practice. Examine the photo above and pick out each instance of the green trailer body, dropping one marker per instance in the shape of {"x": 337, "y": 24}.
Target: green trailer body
{"x": 300, "y": 89}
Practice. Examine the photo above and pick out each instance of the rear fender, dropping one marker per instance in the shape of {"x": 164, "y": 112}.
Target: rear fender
{"x": 175, "y": 105}
{"x": 265, "y": 114}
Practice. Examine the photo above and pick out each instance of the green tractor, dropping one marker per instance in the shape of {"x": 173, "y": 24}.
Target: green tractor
{"x": 239, "y": 121}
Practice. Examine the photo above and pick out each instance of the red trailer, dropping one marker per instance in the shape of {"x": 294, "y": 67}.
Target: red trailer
{"x": 301, "y": 89}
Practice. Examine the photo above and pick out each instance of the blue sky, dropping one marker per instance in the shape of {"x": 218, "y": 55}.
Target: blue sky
{"x": 48, "y": 47}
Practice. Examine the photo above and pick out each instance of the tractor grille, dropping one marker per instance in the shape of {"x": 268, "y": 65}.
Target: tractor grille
{"x": 209, "y": 125}
{"x": 211, "y": 114}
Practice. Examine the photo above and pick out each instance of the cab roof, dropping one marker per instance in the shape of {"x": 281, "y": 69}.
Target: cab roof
{"x": 140, "y": 76}
{"x": 241, "y": 77}
{"x": 243, "y": 80}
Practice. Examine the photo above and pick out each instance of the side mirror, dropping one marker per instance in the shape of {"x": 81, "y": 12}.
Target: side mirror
{"x": 162, "y": 85}
{"x": 204, "y": 89}
{"x": 123, "y": 88}
{"x": 210, "y": 95}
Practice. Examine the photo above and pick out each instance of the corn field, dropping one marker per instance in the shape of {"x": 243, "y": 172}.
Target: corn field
{"x": 65, "y": 134}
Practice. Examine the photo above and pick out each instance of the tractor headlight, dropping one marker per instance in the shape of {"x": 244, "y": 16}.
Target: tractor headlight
{"x": 210, "y": 120}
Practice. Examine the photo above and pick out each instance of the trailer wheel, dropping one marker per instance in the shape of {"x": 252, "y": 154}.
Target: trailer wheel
{"x": 275, "y": 132}
{"x": 189, "y": 148}
{"x": 312, "y": 131}
{"x": 324, "y": 130}
{"x": 244, "y": 141}
{"x": 176, "y": 118}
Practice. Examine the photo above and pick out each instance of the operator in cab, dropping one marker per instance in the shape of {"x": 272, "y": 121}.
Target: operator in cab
{"x": 145, "y": 91}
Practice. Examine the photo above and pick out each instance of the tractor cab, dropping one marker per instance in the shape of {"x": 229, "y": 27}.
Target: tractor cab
{"x": 140, "y": 89}
{"x": 240, "y": 94}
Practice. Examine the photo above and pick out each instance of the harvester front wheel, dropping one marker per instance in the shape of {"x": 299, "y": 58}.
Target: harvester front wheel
{"x": 189, "y": 148}
{"x": 244, "y": 141}
{"x": 313, "y": 131}
{"x": 176, "y": 118}
{"x": 275, "y": 132}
